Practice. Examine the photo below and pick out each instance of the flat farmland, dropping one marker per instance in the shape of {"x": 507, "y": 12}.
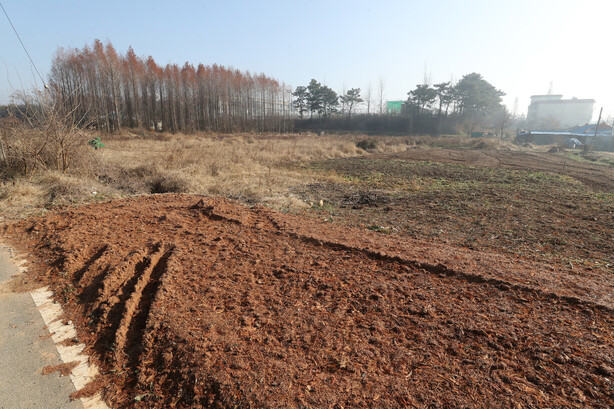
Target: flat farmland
{"x": 333, "y": 277}
{"x": 537, "y": 206}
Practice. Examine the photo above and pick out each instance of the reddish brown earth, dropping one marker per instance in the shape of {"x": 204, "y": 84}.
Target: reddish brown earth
{"x": 523, "y": 212}
{"x": 198, "y": 302}
{"x": 63, "y": 369}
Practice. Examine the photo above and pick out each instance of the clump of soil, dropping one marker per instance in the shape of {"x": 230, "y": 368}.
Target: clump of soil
{"x": 63, "y": 369}
{"x": 370, "y": 198}
{"x": 200, "y": 302}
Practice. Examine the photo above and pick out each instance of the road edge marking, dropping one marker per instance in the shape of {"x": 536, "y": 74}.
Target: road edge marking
{"x": 85, "y": 371}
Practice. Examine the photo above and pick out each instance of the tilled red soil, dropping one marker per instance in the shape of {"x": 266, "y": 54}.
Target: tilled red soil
{"x": 522, "y": 213}
{"x": 199, "y": 302}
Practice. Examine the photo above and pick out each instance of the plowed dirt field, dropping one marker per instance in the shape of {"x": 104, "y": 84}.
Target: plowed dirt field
{"x": 600, "y": 178}
{"x": 517, "y": 203}
{"x": 200, "y": 302}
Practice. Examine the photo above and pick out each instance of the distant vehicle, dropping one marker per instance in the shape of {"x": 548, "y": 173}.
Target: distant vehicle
{"x": 573, "y": 143}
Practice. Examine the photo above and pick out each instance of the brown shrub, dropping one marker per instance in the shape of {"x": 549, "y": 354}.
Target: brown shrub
{"x": 43, "y": 138}
{"x": 367, "y": 144}
{"x": 141, "y": 179}
{"x": 168, "y": 184}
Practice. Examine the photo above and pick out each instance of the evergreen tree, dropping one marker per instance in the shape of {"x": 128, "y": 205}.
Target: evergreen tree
{"x": 315, "y": 97}
{"x": 300, "y": 100}
{"x": 351, "y": 99}
{"x": 422, "y": 97}
{"x": 476, "y": 95}
{"x": 330, "y": 101}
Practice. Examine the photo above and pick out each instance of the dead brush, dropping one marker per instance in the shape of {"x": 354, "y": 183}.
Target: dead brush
{"x": 251, "y": 168}
{"x": 24, "y": 196}
{"x": 246, "y": 167}
{"x": 45, "y": 137}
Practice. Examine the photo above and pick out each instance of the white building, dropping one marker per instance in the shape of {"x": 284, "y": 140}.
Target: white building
{"x": 552, "y": 112}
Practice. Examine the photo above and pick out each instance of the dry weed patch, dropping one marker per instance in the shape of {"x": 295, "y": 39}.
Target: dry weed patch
{"x": 251, "y": 168}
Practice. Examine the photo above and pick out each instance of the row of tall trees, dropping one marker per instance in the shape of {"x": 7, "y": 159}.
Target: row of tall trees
{"x": 100, "y": 87}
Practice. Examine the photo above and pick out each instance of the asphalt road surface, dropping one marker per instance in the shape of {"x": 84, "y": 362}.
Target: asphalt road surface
{"x": 25, "y": 349}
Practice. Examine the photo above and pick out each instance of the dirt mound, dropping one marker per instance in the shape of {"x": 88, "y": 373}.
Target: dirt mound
{"x": 198, "y": 302}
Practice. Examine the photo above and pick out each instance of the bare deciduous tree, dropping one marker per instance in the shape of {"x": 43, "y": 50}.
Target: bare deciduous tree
{"x": 125, "y": 90}
{"x": 380, "y": 93}
{"x": 369, "y": 97}
{"x": 45, "y": 137}
{"x": 504, "y": 118}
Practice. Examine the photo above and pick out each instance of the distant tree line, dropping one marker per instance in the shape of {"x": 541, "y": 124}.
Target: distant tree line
{"x": 470, "y": 105}
{"x": 12, "y": 110}
{"x": 98, "y": 88}
{"x": 102, "y": 88}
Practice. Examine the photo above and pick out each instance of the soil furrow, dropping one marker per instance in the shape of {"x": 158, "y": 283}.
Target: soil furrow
{"x": 135, "y": 334}
{"x": 298, "y": 313}
{"x": 77, "y": 275}
{"x": 440, "y": 269}
{"x": 133, "y": 302}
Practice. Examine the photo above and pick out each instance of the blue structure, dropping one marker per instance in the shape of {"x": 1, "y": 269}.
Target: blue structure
{"x": 589, "y": 130}
{"x": 585, "y": 134}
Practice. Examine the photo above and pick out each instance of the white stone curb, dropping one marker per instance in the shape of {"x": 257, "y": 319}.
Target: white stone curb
{"x": 84, "y": 372}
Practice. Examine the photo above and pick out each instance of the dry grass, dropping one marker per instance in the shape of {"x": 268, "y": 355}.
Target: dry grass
{"x": 253, "y": 169}
{"x": 23, "y": 197}
{"x": 250, "y": 168}
{"x": 461, "y": 142}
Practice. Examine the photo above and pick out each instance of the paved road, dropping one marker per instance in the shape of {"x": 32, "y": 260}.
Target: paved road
{"x": 25, "y": 350}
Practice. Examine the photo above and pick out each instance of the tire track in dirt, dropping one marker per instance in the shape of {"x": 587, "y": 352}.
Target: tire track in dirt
{"x": 130, "y": 333}
{"x": 133, "y": 301}
{"x": 219, "y": 305}
{"x": 114, "y": 292}
{"x": 120, "y": 297}
{"x": 78, "y": 275}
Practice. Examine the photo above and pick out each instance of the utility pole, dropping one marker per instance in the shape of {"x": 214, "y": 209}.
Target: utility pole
{"x": 598, "y": 120}
{"x": 586, "y": 147}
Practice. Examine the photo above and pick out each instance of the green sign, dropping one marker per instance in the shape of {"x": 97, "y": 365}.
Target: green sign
{"x": 394, "y": 107}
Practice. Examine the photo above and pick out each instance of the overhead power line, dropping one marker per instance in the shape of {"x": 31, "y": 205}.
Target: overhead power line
{"x": 22, "y": 45}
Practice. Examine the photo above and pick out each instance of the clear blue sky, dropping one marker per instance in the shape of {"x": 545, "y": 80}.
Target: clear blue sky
{"x": 520, "y": 46}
